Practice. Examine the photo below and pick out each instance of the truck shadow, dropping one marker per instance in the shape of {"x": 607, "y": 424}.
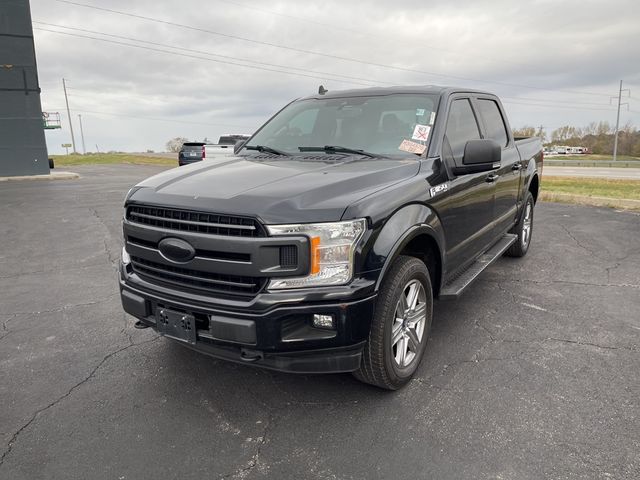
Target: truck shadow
{"x": 452, "y": 338}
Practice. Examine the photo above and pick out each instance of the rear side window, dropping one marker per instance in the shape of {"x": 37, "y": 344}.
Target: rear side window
{"x": 493, "y": 121}
{"x": 461, "y": 127}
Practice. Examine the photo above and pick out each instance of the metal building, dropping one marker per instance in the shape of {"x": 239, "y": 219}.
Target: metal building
{"x": 23, "y": 150}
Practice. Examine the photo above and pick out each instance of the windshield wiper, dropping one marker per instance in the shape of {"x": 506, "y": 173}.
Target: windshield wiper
{"x": 338, "y": 149}
{"x": 264, "y": 148}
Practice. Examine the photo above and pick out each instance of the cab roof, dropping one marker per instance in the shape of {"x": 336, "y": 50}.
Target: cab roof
{"x": 380, "y": 91}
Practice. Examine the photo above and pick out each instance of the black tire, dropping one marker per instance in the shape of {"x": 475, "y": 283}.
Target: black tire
{"x": 521, "y": 245}
{"x": 379, "y": 365}
{"x": 51, "y": 163}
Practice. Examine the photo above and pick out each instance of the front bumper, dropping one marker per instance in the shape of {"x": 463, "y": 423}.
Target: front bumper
{"x": 271, "y": 334}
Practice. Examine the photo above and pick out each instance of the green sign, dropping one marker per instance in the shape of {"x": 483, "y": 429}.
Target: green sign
{"x": 66, "y": 145}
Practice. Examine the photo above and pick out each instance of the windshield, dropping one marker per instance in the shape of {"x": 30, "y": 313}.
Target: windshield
{"x": 387, "y": 125}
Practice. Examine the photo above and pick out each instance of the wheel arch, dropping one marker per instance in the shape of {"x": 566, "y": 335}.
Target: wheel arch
{"x": 422, "y": 237}
{"x": 534, "y": 187}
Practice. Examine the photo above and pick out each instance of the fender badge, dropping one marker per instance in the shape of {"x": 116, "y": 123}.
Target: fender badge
{"x": 443, "y": 187}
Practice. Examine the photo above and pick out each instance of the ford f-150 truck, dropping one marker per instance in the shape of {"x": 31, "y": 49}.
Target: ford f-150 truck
{"x": 320, "y": 244}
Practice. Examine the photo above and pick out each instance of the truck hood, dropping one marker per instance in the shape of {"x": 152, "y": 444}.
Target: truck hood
{"x": 276, "y": 189}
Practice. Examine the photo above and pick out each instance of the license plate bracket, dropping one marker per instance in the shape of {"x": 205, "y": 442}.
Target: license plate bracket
{"x": 176, "y": 325}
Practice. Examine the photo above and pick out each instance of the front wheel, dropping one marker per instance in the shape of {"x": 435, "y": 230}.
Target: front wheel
{"x": 400, "y": 326}
{"x": 523, "y": 229}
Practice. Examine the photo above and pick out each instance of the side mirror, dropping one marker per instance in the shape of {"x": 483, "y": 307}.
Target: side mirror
{"x": 479, "y": 156}
{"x": 238, "y": 145}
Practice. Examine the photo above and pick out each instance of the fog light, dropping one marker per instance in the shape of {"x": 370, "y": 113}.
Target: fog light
{"x": 324, "y": 321}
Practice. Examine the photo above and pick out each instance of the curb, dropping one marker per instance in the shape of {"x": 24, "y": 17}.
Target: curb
{"x": 625, "y": 203}
{"x": 51, "y": 176}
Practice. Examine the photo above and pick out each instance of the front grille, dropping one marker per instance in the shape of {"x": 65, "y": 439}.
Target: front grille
{"x": 208, "y": 282}
{"x": 200, "y": 222}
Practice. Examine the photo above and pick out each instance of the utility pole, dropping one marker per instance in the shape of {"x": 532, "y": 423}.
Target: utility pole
{"x": 73, "y": 140}
{"x": 84, "y": 150}
{"x": 615, "y": 142}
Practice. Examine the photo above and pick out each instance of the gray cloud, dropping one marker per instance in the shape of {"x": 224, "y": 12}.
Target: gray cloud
{"x": 581, "y": 47}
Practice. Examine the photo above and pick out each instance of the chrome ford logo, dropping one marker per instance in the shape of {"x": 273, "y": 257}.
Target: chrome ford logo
{"x": 176, "y": 250}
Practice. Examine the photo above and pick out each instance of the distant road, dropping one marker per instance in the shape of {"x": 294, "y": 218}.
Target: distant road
{"x": 593, "y": 172}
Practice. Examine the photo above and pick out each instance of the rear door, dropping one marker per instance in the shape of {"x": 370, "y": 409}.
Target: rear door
{"x": 508, "y": 182}
{"x": 466, "y": 208}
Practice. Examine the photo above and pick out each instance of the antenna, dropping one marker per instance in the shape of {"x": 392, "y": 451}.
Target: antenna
{"x": 322, "y": 90}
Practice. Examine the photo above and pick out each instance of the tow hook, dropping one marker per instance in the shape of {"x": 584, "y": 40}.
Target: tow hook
{"x": 140, "y": 326}
{"x": 250, "y": 355}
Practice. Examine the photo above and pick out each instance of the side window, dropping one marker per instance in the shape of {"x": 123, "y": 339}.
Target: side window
{"x": 493, "y": 121}
{"x": 461, "y": 127}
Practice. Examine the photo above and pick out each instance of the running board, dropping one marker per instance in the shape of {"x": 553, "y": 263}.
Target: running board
{"x": 454, "y": 288}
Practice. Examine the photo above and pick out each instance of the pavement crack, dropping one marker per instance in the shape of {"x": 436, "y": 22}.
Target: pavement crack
{"x": 589, "y": 344}
{"x": 113, "y": 259}
{"x": 584, "y": 247}
{"x": 253, "y": 462}
{"x": 14, "y": 438}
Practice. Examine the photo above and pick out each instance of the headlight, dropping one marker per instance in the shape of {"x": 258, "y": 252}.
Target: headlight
{"x": 332, "y": 247}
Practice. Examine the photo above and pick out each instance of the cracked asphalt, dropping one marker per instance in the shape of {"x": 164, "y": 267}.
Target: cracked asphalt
{"x": 533, "y": 373}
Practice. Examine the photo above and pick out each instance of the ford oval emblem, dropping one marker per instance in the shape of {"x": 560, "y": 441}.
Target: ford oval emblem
{"x": 176, "y": 250}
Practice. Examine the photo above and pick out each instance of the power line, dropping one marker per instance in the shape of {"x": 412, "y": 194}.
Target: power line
{"x": 312, "y": 52}
{"x": 576, "y": 105}
{"x": 202, "y": 58}
{"x": 210, "y": 124}
{"x": 529, "y": 99}
{"x": 550, "y": 105}
{"x": 203, "y": 52}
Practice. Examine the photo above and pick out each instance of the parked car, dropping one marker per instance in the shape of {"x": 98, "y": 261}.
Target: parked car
{"x": 321, "y": 245}
{"x": 192, "y": 152}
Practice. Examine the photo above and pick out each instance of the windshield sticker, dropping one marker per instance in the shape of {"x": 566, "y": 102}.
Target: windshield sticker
{"x": 412, "y": 147}
{"x": 432, "y": 118}
{"x": 421, "y": 132}
{"x": 419, "y": 112}
{"x": 443, "y": 187}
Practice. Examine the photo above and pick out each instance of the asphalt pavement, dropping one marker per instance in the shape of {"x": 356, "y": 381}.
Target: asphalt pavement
{"x": 534, "y": 373}
{"x": 594, "y": 172}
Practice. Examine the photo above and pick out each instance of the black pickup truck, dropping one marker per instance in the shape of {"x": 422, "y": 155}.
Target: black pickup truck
{"x": 322, "y": 242}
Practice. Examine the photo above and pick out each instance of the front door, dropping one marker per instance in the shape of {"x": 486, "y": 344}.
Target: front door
{"x": 466, "y": 209}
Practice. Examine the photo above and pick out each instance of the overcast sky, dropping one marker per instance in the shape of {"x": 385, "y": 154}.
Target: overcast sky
{"x": 552, "y": 62}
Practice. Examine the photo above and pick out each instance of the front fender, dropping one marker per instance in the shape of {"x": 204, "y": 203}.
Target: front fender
{"x": 403, "y": 226}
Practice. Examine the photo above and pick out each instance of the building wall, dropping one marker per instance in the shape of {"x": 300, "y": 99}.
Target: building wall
{"x": 23, "y": 150}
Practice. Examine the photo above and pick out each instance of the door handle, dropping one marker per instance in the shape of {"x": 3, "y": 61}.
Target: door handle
{"x": 491, "y": 178}
{"x": 516, "y": 167}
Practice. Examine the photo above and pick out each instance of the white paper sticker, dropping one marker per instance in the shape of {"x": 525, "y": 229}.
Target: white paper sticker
{"x": 419, "y": 112}
{"x": 412, "y": 147}
{"x": 421, "y": 132}
{"x": 432, "y": 118}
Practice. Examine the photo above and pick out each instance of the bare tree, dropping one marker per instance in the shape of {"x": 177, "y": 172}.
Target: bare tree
{"x": 175, "y": 144}
{"x": 525, "y": 131}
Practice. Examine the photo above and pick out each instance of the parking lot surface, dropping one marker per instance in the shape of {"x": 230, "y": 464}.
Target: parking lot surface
{"x": 533, "y": 373}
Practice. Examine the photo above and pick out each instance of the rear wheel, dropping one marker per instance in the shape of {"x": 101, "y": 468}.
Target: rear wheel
{"x": 400, "y": 326}
{"x": 523, "y": 229}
